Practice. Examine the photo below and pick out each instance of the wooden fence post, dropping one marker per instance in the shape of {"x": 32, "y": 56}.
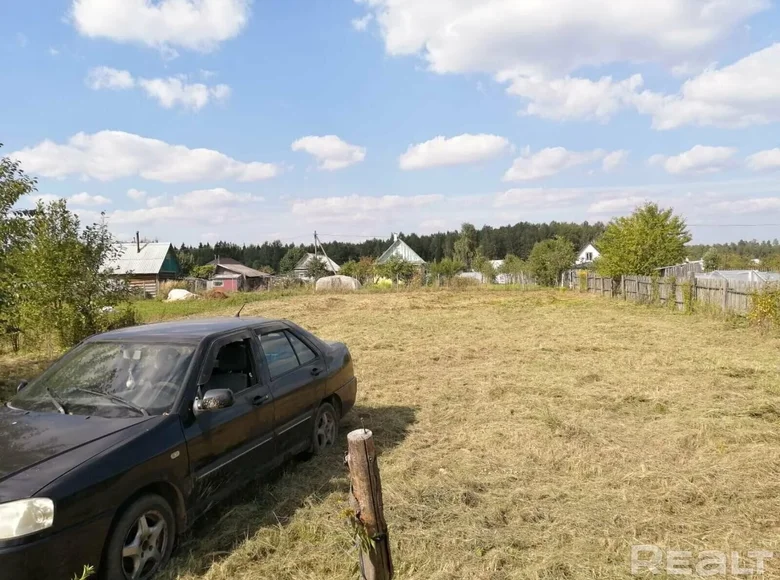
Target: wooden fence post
{"x": 725, "y": 294}
{"x": 366, "y": 501}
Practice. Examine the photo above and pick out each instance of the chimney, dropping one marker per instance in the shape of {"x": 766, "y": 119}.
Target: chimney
{"x": 138, "y": 242}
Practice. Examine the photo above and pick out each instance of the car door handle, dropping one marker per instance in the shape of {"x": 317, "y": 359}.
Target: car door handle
{"x": 260, "y": 400}
{"x": 316, "y": 371}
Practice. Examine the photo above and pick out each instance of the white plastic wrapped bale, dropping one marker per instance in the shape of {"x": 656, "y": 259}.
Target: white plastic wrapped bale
{"x": 180, "y": 294}
{"x": 337, "y": 283}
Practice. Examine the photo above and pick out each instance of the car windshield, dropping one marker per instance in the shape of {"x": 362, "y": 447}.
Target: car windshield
{"x": 110, "y": 379}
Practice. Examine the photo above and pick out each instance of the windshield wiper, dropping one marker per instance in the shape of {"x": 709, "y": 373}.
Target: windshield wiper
{"x": 116, "y": 399}
{"x": 58, "y": 403}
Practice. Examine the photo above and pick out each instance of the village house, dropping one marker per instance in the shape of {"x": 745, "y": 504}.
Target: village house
{"x": 301, "y": 268}
{"x": 232, "y": 276}
{"x": 400, "y": 249}
{"x": 587, "y": 256}
{"x": 144, "y": 265}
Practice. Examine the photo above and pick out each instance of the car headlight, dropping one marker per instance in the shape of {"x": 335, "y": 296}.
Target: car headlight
{"x": 26, "y": 516}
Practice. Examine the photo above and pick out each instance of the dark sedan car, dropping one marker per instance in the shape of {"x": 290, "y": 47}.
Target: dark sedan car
{"x": 121, "y": 444}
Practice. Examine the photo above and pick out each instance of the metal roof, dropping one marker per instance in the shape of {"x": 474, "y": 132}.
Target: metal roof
{"x": 402, "y": 250}
{"x": 148, "y": 261}
{"x": 329, "y": 264}
{"x": 245, "y": 271}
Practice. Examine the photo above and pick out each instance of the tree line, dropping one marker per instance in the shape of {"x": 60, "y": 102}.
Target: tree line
{"x": 492, "y": 243}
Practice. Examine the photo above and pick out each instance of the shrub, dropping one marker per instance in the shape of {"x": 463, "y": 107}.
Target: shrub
{"x": 765, "y": 307}
{"x": 687, "y": 292}
{"x": 119, "y": 318}
{"x": 383, "y": 283}
{"x": 583, "y": 280}
{"x": 655, "y": 296}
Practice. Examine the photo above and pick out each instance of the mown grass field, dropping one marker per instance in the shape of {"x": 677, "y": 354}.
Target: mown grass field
{"x": 522, "y": 435}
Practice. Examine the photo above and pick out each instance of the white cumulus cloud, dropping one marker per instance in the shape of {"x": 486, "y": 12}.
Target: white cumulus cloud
{"x": 173, "y": 91}
{"x": 361, "y": 24}
{"x": 555, "y": 37}
{"x": 168, "y": 92}
{"x": 614, "y": 160}
{"x": 136, "y": 194}
{"x": 199, "y": 25}
{"x": 764, "y": 160}
{"x": 109, "y": 155}
{"x": 458, "y": 150}
{"x": 616, "y": 205}
{"x": 356, "y": 208}
{"x": 537, "y": 197}
{"x": 572, "y": 98}
{"x": 549, "y": 162}
{"x": 750, "y": 205}
{"x": 698, "y": 160}
{"x": 104, "y": 77}
{"x": 330, "y": 151}
{"x": 85, "y": 199}
{"x": 744, "y": 93}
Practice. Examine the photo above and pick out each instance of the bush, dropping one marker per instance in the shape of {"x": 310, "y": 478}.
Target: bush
{"x": 383, "y": 283}
{"x": 119, "y": 318}
{"x": 765, "y": 307}
{"x": 583, "y": 280}
{"x": 687, "y": 292}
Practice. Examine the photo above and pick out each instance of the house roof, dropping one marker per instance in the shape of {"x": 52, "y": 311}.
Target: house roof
{"x": 222, "y": 261}
{"x": 329, "y": 264}
{"x": 588, "y": 245}
{"x": 242, "y": 270}
{"x": 149, "y": 260}
{"x": 402, "y": 250}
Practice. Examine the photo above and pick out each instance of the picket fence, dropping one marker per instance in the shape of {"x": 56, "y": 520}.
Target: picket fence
{"x": 726, "y": 295}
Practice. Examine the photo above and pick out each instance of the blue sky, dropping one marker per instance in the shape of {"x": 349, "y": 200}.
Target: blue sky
{"x": 197, "y": 120}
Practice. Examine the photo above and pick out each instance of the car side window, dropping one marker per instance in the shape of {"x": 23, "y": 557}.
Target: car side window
{"x": 233, "y": 367}
{"x": 305, "y": 354}
{"x": 279, "y": 353}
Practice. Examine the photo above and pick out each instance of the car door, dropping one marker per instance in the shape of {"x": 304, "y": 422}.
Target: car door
{"x": 297, "y": 376}
{"x": 229, "y": 446}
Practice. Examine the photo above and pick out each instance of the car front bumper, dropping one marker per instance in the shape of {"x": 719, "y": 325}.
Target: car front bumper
{"x": 58, "y": 556}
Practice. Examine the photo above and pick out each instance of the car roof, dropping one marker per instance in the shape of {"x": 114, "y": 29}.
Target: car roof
{"x": 191, "y": 330}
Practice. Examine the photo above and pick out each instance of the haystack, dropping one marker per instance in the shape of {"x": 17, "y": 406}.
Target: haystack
{"x": 337, "y": 283}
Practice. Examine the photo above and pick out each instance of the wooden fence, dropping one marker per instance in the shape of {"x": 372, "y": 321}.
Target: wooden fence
{"x": 726, "y": 295}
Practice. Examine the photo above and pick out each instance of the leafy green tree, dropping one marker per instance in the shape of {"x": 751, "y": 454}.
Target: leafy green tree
{"x": 514, "y": 267}
{"x": 315, "y": 269}
{"x": 290, "y": 259}
{"x": 710, "y": 260}
{"x": 205, "y": 272}
{"x": 447, "y": 268}
{"x": 64, "y": 275}
{"x": 465, "y": 248}
{"x": 396, "y": 269}
{"x": 362, "y": 270}
{"x": 14, "y": 184}
{"x": 549, "y": 259}
{"x": 648, "y": 239}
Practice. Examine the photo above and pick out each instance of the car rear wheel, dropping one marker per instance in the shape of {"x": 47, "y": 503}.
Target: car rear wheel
{"x": 326, "y": 428}
{"x": 142, "y": 540}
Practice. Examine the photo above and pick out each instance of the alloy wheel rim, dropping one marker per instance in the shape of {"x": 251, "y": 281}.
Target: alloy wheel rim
{"x": 326, "y": 430}
{"x": 144, "y": 546}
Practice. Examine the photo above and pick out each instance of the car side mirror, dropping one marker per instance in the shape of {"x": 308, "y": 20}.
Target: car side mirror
{"x": 22, "y": 385}
{"x": 213, "y": 400}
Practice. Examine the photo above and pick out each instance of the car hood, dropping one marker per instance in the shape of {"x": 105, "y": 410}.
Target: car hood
{"x": 31, "y": 439}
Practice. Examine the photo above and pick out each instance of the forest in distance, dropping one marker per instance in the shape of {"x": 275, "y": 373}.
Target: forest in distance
{"x": 493, "y": 242}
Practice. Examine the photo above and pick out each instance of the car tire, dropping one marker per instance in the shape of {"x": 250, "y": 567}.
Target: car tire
{"x": 326, "y": 428}
{"x": 142, "y": 540}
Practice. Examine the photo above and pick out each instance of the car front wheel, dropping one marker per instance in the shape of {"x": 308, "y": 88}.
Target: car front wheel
{"x": 326, "y": 428}
{"x": 142, "y": 540}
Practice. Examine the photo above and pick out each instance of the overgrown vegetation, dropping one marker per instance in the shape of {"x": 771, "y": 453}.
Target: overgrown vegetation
{"x": 765, "y": 307}
{"x": 549, "y": 259}
{"x": 54, "y": 277}
{"x": 648, "y": 239}
{"x": 527, "y": 475}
